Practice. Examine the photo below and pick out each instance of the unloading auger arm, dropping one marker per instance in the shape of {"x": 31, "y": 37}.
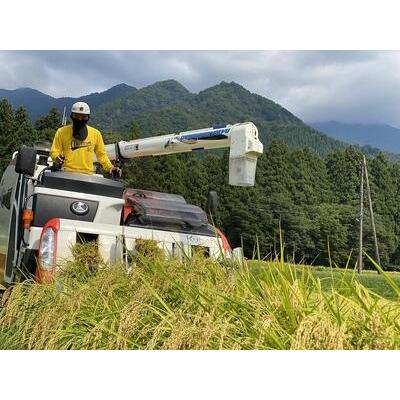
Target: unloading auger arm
{"x": 242, "y": 139}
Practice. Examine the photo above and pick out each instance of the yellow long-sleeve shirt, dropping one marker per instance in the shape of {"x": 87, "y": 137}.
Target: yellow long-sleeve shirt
{"x": 79, "y": 154}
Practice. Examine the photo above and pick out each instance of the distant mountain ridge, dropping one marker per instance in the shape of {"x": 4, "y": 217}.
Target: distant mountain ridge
{"x": 167, "y": 106}
{"x": 38, "y": 104}
{"x": 383, "y": 136}
{"x": 222, "y": 103}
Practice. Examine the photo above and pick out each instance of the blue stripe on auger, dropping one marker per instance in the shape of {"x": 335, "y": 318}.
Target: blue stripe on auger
{"x": 210, "y": 135}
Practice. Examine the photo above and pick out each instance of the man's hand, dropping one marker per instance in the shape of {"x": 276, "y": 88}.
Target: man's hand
{"x": 60, "y": 159}
{"x": 115, "y": 172}
{"x": 58, "y": 163}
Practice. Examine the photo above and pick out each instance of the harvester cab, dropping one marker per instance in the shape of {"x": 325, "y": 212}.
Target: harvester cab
{"x": 44, "y": 211}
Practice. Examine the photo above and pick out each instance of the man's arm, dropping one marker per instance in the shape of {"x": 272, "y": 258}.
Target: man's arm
{"x": 101, "y": 154}
{"x": 56, "y": 147}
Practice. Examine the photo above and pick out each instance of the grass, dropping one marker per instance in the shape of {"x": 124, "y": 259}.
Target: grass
{"x": 332, "y": 277}
{"x": 370, "y": 279}
{"x": 200, "y": 304}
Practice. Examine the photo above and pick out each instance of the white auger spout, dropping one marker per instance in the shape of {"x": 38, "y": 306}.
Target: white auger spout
{"x": 242, "y": 139}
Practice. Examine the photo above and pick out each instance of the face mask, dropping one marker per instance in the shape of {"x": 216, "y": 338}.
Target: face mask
{"x": 79, "y": 129}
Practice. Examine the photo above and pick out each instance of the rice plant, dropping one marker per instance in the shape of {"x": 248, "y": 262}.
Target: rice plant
{"x": 197, "y": 303}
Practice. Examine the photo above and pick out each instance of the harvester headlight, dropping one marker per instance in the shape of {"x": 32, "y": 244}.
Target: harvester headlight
{"x": 47, "y": 249}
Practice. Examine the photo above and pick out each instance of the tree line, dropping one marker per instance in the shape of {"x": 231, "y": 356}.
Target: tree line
{"x": 313, "y": 202}
{"x": 309, "y": 200}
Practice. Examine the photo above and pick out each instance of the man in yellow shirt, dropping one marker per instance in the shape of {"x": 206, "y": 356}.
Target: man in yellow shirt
{"x": 74, "y": 146}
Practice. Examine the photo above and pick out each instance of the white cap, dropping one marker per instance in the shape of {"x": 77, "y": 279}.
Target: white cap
{"x": 80, "y": 108}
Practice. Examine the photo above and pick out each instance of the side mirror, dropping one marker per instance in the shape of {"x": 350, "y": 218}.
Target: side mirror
{"x": 212, "y": 202}
{"x": 26, "y": 161}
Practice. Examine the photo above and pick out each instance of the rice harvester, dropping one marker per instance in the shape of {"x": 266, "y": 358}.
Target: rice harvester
{"x": 44, "y": 212}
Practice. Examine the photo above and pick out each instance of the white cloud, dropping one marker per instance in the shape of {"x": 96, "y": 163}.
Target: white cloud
{"x": 351, "y": 86}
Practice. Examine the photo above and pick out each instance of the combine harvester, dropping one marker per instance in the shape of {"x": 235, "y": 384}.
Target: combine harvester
{"x": 44, "y": 212}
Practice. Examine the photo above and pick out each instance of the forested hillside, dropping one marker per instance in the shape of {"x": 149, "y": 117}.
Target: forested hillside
{"x": 314, "y": 200}
{"x": 307, "y": 184}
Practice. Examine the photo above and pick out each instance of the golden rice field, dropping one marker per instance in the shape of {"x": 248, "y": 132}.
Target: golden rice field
{"x": 202, "y": 304}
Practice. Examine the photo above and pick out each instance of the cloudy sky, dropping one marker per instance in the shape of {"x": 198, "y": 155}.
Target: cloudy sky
{"x": 347, "y": 86}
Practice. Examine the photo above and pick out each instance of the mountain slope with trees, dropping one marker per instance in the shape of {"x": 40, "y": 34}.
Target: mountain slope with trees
{"x": 167, "y": 106}
{"x": 38, "y": 104}
{"x": 119, "y": 114}
{"x": 224, "y": 103}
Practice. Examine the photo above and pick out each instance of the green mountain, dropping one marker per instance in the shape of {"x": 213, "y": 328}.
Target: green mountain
{"x": 167, "y": 106}
{"x": 38, "y": 104}
{"x": 35, "y": 102}
{"x": 96, "y": 99}
{"x": 118, "y": 114}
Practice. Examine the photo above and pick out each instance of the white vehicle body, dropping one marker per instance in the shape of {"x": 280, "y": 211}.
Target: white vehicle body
{"x": 116, "y": 241}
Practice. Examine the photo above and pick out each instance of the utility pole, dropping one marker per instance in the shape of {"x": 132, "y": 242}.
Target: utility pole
{"x": 360, "y": 246}
{"x": 371, "y": 212}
